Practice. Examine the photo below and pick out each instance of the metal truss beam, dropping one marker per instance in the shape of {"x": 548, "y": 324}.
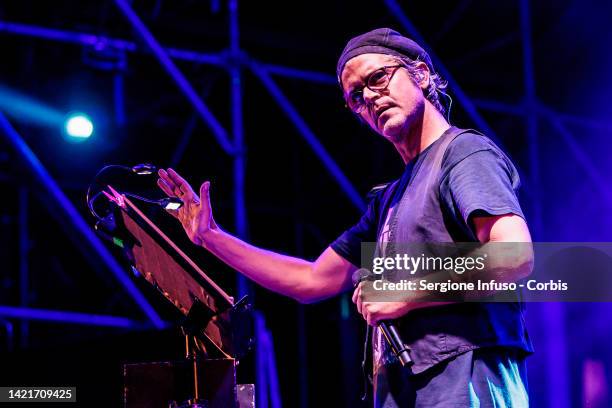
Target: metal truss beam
{"x": 531, "y": 119}
{"x": 98, "y": 41}
{"x": 24, "y": 265}
{"x": 268, "y": 390}
{"x": 220, "y": 60}
{"x": 310, "y": 76}
{"x": 101, "y": 42}
{"x": 493, "y": 44}
{"x": 462, "y": 97}
{"x": 239, "y": 162}
{"x": 309, "y": 136}
{"x": 62, "y": 316}
{"x": 183, "y": 141}
{"x": 601, "y": 182}
{"x": 559, "y": 121}
{"x": 556, "y": 350}
{"x": 501, "y": 107}
{"x": 452, "y": 20}
{"x": 177, "y": 76}
{"x": 520, "y": 109}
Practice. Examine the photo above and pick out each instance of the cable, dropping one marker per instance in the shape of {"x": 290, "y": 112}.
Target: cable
{"x": 363, "y": 364}
{"x": 139, "y": 169}
{"x": 450, "y": 105}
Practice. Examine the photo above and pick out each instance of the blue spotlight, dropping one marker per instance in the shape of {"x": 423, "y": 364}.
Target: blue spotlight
{"x": 79, "y": 126}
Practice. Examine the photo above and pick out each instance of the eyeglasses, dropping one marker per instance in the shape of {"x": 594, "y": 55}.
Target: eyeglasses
{"x": 377, "y": 81}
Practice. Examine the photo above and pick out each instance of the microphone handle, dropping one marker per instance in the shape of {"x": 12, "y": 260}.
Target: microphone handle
{"x": 394, "y": 340}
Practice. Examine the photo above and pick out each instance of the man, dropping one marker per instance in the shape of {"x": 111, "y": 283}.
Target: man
{"x": 457, "y": 187}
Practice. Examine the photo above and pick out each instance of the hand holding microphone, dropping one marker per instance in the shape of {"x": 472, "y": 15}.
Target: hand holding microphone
{"x": 390, "y": 310}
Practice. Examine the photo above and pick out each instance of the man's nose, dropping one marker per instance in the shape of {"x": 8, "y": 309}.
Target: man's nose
{"x": 369, "y": 95}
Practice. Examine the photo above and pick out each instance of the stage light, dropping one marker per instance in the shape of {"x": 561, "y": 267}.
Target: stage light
{"x": 29, "y": 109}
{"x": 79, "y": 126}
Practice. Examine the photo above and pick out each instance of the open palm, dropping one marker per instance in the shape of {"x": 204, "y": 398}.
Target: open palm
{"x": 195, "y": 214}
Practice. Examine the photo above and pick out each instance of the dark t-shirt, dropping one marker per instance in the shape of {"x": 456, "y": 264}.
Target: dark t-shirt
{"x": 476, "y": 178}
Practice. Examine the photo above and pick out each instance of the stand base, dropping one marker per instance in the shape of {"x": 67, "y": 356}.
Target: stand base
{"x": 190, "y": 404}
{"x": 170, "y": 385}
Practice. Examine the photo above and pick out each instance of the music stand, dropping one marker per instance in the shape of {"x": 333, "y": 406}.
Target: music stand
{"x": 213, "y": 325}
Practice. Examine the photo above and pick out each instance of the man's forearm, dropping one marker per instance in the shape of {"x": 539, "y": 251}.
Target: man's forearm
{"x": 283, "y": 274}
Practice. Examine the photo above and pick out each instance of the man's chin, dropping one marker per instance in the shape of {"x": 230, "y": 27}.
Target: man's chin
{"x": 391, "y": 130}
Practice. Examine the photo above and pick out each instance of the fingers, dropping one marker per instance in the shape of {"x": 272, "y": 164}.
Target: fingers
{"x": 168, "y": 186}
{"x": 163, "y": 174}
{"x": 368, "y": 311}
{"x": 205, "y": 194}
{"x": 357, "y": 299}
{"x": 176, "y": 186}
{"x": 168, "y": 191}
{"x": 179, "y": 182}
{"x": 165, "y": 187}
{"x": 371, "y": 320}
{"x": 356, "y": 295}
{"x": 175, "y": 183}
{"x": 365, "y": 309}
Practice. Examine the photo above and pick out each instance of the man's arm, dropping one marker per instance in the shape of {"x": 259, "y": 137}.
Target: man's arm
{"x": 302, "y": 280}
{"x": 489, "y": 229}
{"x": 501, "y": 228}
{"x": 511, "y": 262}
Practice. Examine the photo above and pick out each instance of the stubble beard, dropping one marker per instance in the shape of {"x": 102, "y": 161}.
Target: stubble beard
{"x": 405, "y": 124}
{"x": 396, "y": 128}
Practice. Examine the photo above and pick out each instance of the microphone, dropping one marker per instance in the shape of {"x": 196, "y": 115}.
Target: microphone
{"x": 361, "y": 275}
{"x": 399, "y": 349}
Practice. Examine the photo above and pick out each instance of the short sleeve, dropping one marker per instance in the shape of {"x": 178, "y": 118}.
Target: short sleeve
{"x": 348, "y": 245}
{"x": 479, "y": 177}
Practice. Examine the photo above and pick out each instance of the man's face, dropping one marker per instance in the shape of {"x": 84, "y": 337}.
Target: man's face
{"x": 391, "y": 112}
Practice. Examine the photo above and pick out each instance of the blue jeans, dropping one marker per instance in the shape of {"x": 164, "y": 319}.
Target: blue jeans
{"x": 493, "y": 377}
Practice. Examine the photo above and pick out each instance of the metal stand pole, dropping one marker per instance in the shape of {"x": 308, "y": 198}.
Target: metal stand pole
{"x": 24, "y": 249}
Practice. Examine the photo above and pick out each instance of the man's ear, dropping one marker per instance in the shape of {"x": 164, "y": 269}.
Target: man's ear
{"x": 422, "y": 75}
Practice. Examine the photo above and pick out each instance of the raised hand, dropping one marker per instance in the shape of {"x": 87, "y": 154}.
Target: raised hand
{"x": 195, "y": 214}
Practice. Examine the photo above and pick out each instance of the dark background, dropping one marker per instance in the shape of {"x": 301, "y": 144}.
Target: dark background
{"x": 293, "y": 204}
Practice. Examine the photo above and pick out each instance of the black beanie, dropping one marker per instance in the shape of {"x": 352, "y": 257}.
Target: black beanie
{"x": 382, "y": 41}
